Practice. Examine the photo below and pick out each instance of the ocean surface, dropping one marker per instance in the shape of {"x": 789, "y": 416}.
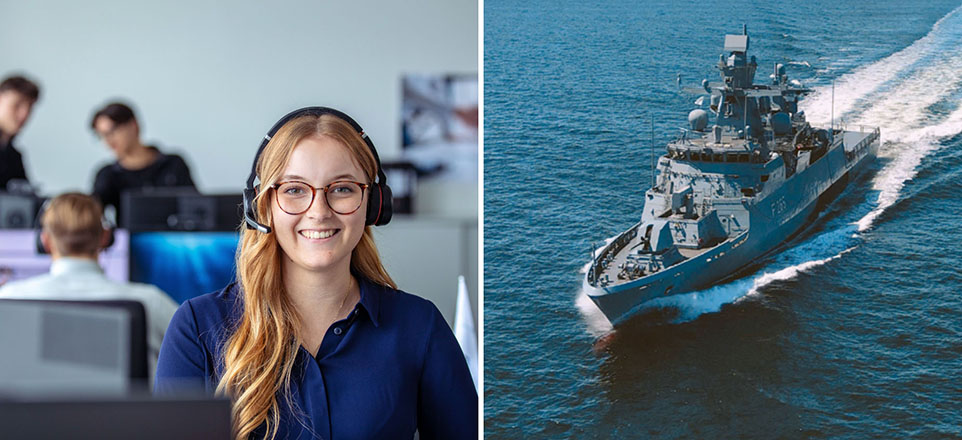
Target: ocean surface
{"x": 854, "y": 330}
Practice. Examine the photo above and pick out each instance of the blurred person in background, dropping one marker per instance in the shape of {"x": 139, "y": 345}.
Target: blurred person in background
{"x": 137, "y": 165}
{"x": 17, "y": 97}
{"x": 73, "y": 232}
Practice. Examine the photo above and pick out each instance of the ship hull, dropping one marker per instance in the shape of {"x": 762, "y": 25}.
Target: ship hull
{"x": 773, "y": 220}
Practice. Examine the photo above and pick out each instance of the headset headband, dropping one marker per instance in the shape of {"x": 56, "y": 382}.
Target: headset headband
{"x": 315, "y": 111}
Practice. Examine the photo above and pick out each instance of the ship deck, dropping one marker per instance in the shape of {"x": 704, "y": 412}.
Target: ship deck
{"x": 852, "y": 137}
{"x": 622, "y": 256}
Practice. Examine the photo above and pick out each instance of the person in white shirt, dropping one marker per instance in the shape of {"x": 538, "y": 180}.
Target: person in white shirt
{"x": 74, "y": 234}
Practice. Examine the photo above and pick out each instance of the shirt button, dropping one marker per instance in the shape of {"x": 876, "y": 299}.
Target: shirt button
{"x": 338, "y": 331}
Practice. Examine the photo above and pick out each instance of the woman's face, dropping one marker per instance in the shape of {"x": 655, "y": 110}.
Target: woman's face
{"x": 319, "y": 239}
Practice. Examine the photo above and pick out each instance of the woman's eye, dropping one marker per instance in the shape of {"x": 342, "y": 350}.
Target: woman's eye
{"x": 293, "y": 191}
{"x": 342, "y": 189}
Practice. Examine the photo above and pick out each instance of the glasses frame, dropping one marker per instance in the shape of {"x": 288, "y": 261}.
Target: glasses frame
{"x": 314, "y": 191}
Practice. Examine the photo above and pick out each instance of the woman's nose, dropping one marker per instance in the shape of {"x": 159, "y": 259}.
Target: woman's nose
{"x": 319, "y": 208}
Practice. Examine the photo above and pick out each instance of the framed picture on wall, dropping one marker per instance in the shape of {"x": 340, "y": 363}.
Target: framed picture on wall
{"x": 439, "y": 125}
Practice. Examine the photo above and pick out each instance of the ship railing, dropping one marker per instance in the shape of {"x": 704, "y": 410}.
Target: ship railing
{"x": 608, "y": 253}
{"x": 863, "y": 144}
{"x": 686, "y": 135}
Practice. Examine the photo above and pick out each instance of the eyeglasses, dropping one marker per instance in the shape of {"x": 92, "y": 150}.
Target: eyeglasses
{"x": 343, "y": 197}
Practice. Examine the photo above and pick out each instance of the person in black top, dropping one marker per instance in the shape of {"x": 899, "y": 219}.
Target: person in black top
{"x": 17, "y": 96}
{"x": 137, "y": 166}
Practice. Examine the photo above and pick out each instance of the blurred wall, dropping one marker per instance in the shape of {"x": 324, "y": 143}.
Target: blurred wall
{"x": 208, "y": 78}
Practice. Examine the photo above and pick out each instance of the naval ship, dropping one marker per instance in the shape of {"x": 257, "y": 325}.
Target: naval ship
{"x": 733, "y": 186}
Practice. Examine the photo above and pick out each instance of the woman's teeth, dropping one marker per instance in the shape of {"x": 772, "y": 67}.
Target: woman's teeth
{"x": 318, "y": 234}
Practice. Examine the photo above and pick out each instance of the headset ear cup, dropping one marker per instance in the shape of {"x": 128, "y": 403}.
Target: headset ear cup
{"x": 253, "y": 203}
{"x": 250, "y": 210}
{"x": 379, "y": 205}
{"x": 373, "y": 205}
{"x": 387, "y": 205}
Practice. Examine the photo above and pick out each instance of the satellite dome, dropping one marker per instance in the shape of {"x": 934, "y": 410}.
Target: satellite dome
{"x": 698, "y": 119}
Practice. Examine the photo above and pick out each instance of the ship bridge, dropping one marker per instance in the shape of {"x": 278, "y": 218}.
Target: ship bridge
{"x": 699, "y": 150}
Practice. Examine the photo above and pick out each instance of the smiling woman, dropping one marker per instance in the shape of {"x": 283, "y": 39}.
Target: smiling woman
{"x": 315, "y": 340}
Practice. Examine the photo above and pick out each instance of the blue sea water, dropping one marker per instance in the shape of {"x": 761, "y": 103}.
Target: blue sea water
{"x": 854, "y": 330}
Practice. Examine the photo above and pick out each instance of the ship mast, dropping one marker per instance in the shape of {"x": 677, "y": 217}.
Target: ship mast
{"x": 652, "y": 150}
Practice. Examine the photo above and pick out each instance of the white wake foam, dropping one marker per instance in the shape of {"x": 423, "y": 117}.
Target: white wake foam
{"x": 596, "y": 323}
{"x": 851, "y": 88}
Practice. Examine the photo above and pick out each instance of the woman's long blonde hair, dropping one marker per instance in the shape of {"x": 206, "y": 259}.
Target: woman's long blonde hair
{"x": 259, "y": 355}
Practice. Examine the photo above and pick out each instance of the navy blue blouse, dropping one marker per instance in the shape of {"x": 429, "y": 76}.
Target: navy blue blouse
{"x": 392, "y": 367}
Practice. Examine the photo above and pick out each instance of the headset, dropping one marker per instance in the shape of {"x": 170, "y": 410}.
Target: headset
{"x": 379, "y": 201}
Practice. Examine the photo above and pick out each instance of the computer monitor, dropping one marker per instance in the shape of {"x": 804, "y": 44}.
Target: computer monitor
{"x": 181, "y": 241}
{"x": 19, "y": 258}
{"x": 69, "y": 347}
{"x": 127, "y": 417}
{"x": 183, "y": 264}
{"x": 17, "y": 211}
{"x": 179, "y": 209}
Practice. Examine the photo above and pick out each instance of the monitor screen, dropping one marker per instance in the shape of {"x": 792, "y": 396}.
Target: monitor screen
{"x": 62, "y": 347}
{"x": 20, "y": 259}
{"x": 183, "y": 264}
